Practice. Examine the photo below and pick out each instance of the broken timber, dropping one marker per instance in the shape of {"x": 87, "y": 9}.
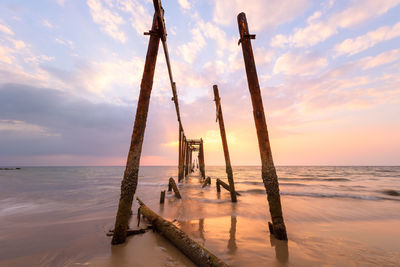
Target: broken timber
{"x": 207, "y": 181}
{"x": 130, "y": 179}
{"x": 224, "y": 185}
{"x": 172, "y": 185}
{"x": 194, "y": 251}
{"x": 269, "y": 176}
{"x": 220, "y": 119}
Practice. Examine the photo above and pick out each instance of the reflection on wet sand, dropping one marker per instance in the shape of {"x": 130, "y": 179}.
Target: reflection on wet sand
{"x": 281, "y": 249}
{"x": 232, "y": 247}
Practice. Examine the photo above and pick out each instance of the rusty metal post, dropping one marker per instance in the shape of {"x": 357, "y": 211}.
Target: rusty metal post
{"x": 220, "y": 119}
{"x": 269, "y": 176}
{"x": 130, "y": 180}
{"x": 201, "y": 160}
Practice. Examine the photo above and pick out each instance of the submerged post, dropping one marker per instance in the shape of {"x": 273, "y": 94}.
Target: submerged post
{"x": 201, "y": 160}
{"x": 220, "y": 119}
{"x": 269, "y": 176}
{"x": 130, "y": 180}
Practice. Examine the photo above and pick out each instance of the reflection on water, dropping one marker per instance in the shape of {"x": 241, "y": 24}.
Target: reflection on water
{"x": 281, "y": 249}
{"x": 232, "y": 247}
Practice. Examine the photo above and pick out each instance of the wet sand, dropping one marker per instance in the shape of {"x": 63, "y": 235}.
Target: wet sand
{"x": 62, "y": 216}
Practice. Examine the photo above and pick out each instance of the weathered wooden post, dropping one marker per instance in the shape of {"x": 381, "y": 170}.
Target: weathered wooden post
{"x": 269, "y": 176}
{"x": 172, "y": 184}
{"x": 184, "y": 145}
{"x": 220, "y": 119}
{"x": 130, "y": 180}
{"x": 201, "y": 160}
{"x": 162, "y": 197}
{"x": 187, "y": 159}
{"x": 190, "y": 161}
{"x": 180, "y": 164}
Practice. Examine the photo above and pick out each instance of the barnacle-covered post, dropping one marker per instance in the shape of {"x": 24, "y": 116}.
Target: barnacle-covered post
{"x": 269, "y": 176}
{"x": 130, "y": 179}
{"x": 201, "y": 160}
{"x": 220, "y": 119}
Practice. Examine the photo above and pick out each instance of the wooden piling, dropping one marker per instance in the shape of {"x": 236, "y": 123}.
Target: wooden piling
{"x": 207, "y": 181}
{"x": 201, "y": 160}
{"x": 187, "y": 160}
{"x": 220, "y": 119}
{"x": 269, "y": 176}
{"x": 180, "y": 162}
{"x": 174, "y": 187}
{"x": 162, "y": 197}
{"x": 193, "y": 250}
{"x": 220, "y": 183}
{"x": 130, "y": 179}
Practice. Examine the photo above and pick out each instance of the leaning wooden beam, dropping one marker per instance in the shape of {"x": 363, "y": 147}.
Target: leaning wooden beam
{"x": 174, "y": 187}
{"x": 220, "y": 119}
{"x": 194, "y": 251}
{"x": 130, "y": 180}
{"x": 220, "y": 183}
{"x": 207, "y": 181}
{"x": 269, "y": 176}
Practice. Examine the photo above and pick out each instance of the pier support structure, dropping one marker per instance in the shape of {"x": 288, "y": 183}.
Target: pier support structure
{"x": 130, "y": 179}
{"x": 220, "y": 119}
{"x": 269, "y": 176}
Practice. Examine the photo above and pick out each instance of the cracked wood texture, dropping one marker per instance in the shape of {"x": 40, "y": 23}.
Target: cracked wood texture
{"x": 269, "y": 176}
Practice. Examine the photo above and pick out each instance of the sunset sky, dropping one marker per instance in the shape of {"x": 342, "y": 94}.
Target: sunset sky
{"x": 329, "y": 73}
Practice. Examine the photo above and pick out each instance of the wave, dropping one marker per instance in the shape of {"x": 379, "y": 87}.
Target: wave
{"x": 322, "y": 195}
{"x": 316, "y": 179}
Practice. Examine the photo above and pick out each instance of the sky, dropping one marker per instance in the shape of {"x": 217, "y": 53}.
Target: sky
{"x": 329, "y": 73}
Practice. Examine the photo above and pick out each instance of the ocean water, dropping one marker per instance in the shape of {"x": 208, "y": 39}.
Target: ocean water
{"x": 335, "y": 216}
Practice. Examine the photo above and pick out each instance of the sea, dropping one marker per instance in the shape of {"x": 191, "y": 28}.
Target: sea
{"x": 335, "y": 215}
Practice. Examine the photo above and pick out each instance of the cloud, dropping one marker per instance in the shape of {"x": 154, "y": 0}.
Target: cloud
{"x": 46, "y": 23}
{"x": 5, "y": 29}
{"x": 368, "y": 40}
{"x": 318, "y": 30}
{"x": 278, "y": 12}
{"x": 184, "y": 4}
{"x": 68, "y": 43}
{"x": 141, "y": 19}
{"x": 108, "y": 20}
{"x": 379, "y": 60}
{"x": 63, "y": 124}
{"x": 190, "y": 50}
{"x": 299, "y": 64}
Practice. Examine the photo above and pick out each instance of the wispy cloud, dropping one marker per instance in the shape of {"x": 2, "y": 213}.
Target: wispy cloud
{"x": 109, "y": 21}
{"x": 321, "y": 29}
{"x": 356, "y": 45}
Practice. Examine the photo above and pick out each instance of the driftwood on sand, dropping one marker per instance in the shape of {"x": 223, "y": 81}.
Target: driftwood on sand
{"x": 194, "y": 251}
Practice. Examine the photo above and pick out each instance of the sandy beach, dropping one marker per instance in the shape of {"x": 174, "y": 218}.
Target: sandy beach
{"x": 63, "y": 222}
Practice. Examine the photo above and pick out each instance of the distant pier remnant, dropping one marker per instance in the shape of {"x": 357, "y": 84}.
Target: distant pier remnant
{"x": 269, "y": 176}
{"x": 220, "y": 119}
{"x": 130, "y": 179}
{"x": 201, "y": 160}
